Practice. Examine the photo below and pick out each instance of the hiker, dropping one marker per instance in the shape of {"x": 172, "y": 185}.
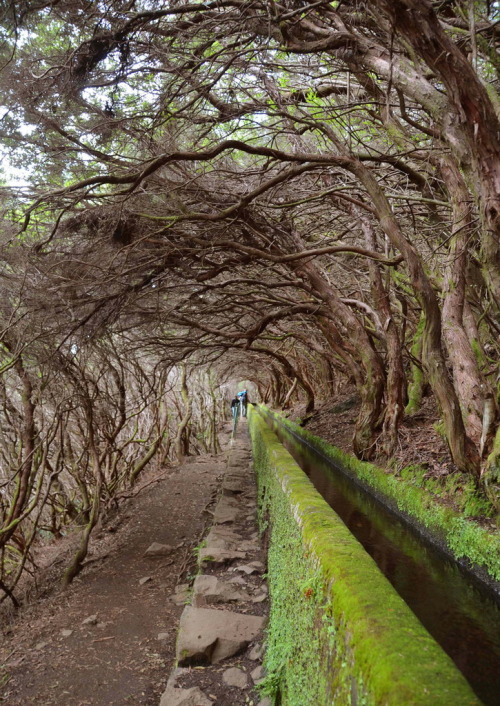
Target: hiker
{"x": 243, "y": 395}
{"x": 235, "y": 403}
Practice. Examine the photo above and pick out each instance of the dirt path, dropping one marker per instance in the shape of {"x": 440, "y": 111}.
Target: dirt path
{"x": 52, "y": 656}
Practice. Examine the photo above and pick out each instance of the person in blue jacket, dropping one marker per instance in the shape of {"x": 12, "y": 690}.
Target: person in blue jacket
{"x": 243, "y": 397}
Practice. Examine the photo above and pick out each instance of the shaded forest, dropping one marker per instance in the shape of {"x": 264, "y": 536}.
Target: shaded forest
{"x": 297, "y": 194}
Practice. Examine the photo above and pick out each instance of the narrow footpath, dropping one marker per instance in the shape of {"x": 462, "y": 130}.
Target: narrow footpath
{"x": 110, "y": 638}
{"x": 219, "y": 644}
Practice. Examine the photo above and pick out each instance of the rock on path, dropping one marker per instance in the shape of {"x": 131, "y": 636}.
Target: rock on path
{"x": 208, "y": 636}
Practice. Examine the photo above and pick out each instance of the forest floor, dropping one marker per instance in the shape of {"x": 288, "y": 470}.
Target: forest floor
{"x": 109, "y": 638}
{"x": 419, "y": 439}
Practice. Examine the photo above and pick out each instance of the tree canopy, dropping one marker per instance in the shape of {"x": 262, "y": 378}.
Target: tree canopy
{"x": 294, "y": 193}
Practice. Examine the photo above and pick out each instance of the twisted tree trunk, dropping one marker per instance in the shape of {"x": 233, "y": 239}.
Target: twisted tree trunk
{"x": 395, "y": 371}
{"x": 470, "y": 384}
{"x": 372, "y": 381}
{"x": 472, "y": 128}
{"x": 463, "y": 451}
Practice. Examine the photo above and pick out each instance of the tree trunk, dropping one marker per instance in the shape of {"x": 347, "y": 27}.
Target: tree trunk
{"x": 214, "y": 438}
{"x": 371, "y": 389}
{"x": 181, "y": 442}
{"x": 470, "y": 385}
{"x": 473, "y": 129}
{"x": 141, "y": 464}
{"x": 291, "y": 373}
{"x": 491, "y": 474}
{"x": 463, "y": 451}
{"x": 342, "y": 349}
{"x": 24, "y": 479}
{"x": 416, "y": 386}
{"x": 395, "y": 369}
{"x": 77, "y": 564}
{"x": 289, "y": 394}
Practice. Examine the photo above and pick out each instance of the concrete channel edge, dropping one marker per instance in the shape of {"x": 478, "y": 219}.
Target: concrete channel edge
{"x": 338, "y": 632}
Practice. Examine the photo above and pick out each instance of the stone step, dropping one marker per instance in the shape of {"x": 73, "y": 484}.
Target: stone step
{"x": 207, "y": 636}
{"x": 227, "y": 510}
{"x": 219, "y": 557}
{"x": 223, "y": 538}
{"x": 209, "y": 590}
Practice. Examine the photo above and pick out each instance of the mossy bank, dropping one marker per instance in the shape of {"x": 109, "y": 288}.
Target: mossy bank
{"x": 474, "y": 547}
{"x": 338, "y": 632}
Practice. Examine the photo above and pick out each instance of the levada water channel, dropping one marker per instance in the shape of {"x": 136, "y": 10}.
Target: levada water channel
{"x": 461, "y": 615}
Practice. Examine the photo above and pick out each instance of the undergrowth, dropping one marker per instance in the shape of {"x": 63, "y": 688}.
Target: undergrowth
{"x": 458, "y": 489}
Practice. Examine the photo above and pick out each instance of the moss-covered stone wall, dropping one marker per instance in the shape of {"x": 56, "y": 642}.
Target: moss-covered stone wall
{"x": 338, "y": 632}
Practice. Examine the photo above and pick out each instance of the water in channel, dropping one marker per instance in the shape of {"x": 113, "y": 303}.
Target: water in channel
{"x": 462, "y": 618}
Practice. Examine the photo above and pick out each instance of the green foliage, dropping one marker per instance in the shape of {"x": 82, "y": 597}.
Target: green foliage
{"x": 457, "y": 489}
{"x": 440, "y": 428}
{"x": 416, "y": 385}
{"x": 4, "y": 679}
{"x": 199, "y": 547}
{"x": 491, "y": 476}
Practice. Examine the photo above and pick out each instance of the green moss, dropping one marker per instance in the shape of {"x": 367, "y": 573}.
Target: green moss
{"x": 479, "y": 354}
{"x": 338, "y": 632}
{"x": 459, "y": 489}
{"x": 416, "y": 386}
{"x": 491, "y": 476}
